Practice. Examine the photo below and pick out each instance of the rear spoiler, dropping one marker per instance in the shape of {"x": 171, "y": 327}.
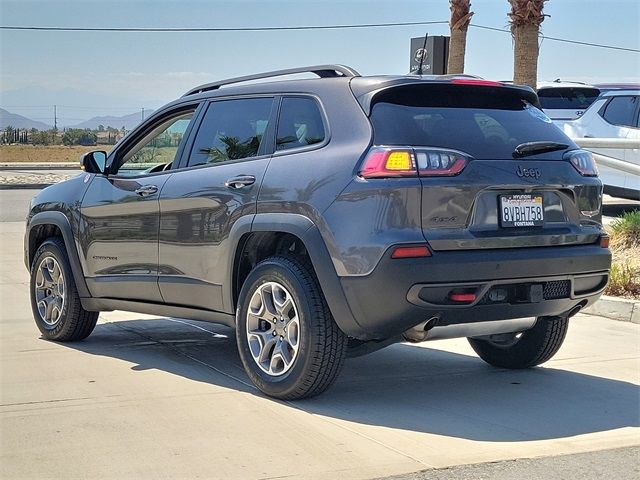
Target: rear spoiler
{"x": 365, "y": 90}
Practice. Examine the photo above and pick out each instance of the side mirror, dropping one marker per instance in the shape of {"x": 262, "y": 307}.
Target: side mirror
{"x": 94, "y": 162}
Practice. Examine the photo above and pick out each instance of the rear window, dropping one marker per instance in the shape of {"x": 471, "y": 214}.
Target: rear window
{"x": 567, "y": 98}
{"x": 484, "y": 122}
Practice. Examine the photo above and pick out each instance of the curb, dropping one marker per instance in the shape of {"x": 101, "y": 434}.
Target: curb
{"x": 24, "y": 186}
{"x": 615, "y": 308}
{"x": 40, "y": 166}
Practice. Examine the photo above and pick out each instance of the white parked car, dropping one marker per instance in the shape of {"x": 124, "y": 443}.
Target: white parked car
{"x": 613, "y": 115}
{"x": 566, "y": 100}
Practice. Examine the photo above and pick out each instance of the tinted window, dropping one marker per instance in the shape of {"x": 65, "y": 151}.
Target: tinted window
{"x": 621, "y": 111}
{"x": 484, "y": 122}
{"x": 567, "y": 98}
{"x": 231, "y": 130}
{"x": 300, "y": 123}
{"x": 158, "y": 149}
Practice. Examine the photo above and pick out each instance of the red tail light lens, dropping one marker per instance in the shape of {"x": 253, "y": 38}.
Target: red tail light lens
{"x": 583, "y": 162}
{"x": 386, "y": 162}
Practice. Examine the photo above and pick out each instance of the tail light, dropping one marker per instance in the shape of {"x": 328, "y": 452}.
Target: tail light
{"x": 386, "y": 162}
{"x": 583, "y": 162}
{"x": 383, "y": 162}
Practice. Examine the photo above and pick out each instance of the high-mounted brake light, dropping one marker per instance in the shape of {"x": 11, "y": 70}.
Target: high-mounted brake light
{"x": 474, "y": 81}
{"x": 583, "y": 162}
{"x": 385, "y": 162}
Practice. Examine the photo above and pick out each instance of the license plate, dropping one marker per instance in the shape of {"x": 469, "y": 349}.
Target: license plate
{"x": 521, "y": 211}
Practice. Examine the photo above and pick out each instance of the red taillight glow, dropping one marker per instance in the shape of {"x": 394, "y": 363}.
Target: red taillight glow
{"x": 604, "y": 241}
{"x": 474, "y": 81}
{"x": 583, "y": 162}
{"x": 462, "y": 297}
{"x": 411, "y": 252}
{"x": 386, "y": 162}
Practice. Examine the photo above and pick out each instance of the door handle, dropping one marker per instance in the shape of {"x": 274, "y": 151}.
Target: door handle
{"x": 240, "y": 181}
{"x": 146, "y": 190}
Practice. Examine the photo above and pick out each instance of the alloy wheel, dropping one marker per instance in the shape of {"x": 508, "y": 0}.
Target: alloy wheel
{"x": 50, "y": 290}
{"x": 273, "y": 328}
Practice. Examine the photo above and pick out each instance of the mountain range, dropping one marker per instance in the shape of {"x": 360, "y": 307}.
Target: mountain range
{"x": 18, "y": 121}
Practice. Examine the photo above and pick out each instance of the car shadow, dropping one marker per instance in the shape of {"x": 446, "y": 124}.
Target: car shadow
{"x": 401, "y": 387}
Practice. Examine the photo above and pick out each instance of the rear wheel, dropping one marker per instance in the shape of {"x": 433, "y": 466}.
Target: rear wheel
{"x": 54, "y": 298}
{"x": 289, "y": 344}
{"x": 525, "y": 349}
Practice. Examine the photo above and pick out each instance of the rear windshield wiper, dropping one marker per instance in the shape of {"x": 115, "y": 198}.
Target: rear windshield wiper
{"x": 531, "y": 148}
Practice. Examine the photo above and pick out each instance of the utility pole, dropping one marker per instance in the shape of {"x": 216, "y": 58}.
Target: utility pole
{"x": 143, "y": 114}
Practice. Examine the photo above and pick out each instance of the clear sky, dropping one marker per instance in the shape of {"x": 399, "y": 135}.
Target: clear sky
{"x": 118, "y": 73}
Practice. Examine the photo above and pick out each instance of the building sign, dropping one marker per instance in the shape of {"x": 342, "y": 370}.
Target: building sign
{"x": 434, "y": 55}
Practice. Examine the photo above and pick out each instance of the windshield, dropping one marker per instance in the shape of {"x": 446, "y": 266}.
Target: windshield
{"x": 485, "y": 122}
{"x": 567, "y": 98}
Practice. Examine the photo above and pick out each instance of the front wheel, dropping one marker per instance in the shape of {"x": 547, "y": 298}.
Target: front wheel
{"x": 289, "y": 344}
{"x": 55, "y": 302}
{"x": 526, "y": 349}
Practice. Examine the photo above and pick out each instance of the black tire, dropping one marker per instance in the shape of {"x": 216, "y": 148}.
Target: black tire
{"x": 532, "y": 347}
{"x": 74, "y": 322}
{"x": 322, "y": 345}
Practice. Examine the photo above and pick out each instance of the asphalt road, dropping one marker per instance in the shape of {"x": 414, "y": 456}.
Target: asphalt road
{"x": 148, "y": 397}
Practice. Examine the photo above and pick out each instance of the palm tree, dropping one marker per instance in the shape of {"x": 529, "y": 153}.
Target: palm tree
{"x": 525, "y": 19}
{"x": 459, "y": 24}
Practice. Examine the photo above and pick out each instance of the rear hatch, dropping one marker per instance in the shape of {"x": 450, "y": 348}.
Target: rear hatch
{"x": 495, "y": 172}
{"x": 567, "y": 103}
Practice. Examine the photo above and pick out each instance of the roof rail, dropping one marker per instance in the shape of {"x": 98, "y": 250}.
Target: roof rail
{"x": 321, "y": 71}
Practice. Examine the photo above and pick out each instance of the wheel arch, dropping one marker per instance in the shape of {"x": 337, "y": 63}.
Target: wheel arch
{"x": 44, "y": 225}
{"x": 267, "y": 234}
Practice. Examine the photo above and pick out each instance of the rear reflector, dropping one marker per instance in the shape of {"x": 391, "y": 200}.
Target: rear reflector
{"x": 411, "y": 252}
{"x": 604, "y": 241}
{"x": 462, "y": 297}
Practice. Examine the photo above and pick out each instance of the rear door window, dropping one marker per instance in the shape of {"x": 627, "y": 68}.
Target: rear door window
{"x": 300, "y": 123}
{"x": 231, "y": 130}
{"x": 621, "y": 111}
{"x": 484, "y": 122}
{"x": 567, "y": 98}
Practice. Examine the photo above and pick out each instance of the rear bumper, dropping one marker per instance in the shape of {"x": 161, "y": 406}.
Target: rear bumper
{"x": 515, "y": 283}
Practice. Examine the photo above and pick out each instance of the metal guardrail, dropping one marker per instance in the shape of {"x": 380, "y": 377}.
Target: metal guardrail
{"x": 606, "y": 160}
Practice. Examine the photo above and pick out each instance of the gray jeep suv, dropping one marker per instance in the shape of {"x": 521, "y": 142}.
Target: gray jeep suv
{"x": 329, "y": 217}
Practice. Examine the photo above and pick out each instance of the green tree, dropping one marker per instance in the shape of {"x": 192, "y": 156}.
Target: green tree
{"x": 78, "y": 136}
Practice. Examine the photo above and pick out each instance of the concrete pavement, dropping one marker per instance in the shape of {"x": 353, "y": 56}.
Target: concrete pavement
{"x": 147, "y": 397}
